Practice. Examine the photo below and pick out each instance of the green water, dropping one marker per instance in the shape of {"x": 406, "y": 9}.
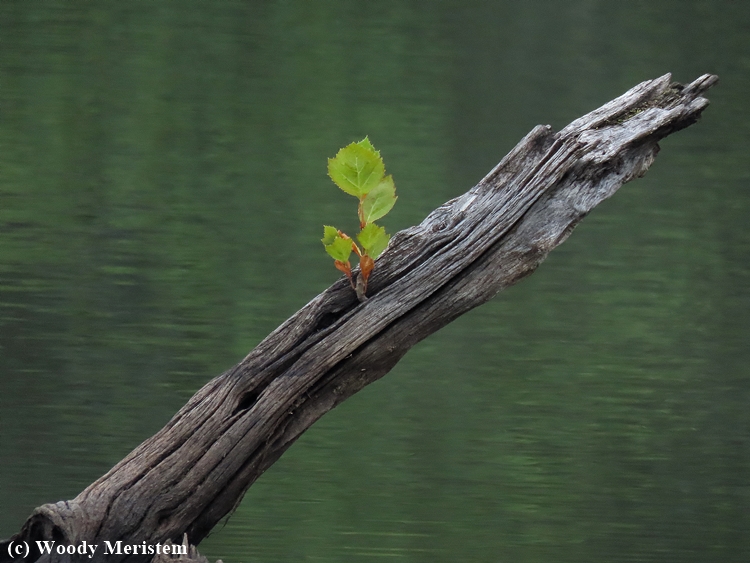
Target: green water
{"x": 162, "y": 195}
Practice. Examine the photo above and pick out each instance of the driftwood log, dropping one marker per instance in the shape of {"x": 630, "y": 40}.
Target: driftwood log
{"x": 196, "y": 469}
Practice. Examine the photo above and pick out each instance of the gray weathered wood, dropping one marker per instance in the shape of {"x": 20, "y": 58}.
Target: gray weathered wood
{"x": 196, "y": 469}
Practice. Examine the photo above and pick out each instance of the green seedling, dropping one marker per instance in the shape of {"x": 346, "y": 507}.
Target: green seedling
{"x": 358, "y": 170}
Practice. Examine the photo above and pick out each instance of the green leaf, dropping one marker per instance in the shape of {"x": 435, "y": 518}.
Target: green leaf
{"x": 379, "y": 201}
{"x": 374, "y": 239}
{"x": 329, "y": 234}
{"x": 368, "y": 145}
{"x": 340, "y": 248}
{"x": 357, "y": 168}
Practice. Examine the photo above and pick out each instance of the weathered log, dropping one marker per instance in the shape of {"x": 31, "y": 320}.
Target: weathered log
{"x": 196, "y": 469}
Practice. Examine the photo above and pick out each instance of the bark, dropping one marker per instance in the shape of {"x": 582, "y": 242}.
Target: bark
{"x": 196, "y": 469}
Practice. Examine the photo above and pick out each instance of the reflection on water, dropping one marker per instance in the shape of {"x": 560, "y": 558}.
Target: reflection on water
{"x": 162, "y": 191}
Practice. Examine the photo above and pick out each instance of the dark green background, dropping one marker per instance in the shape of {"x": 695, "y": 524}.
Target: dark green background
{"x": 162, "y": 196}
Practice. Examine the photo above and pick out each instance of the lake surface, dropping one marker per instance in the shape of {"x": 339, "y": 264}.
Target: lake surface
{"x": 162, "y": 196}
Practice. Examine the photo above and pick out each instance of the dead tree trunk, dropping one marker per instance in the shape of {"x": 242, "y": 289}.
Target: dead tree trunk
{"x": 196, "y": 469}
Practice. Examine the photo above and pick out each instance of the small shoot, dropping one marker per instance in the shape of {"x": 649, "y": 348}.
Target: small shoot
{"x": 359, "y": 171}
